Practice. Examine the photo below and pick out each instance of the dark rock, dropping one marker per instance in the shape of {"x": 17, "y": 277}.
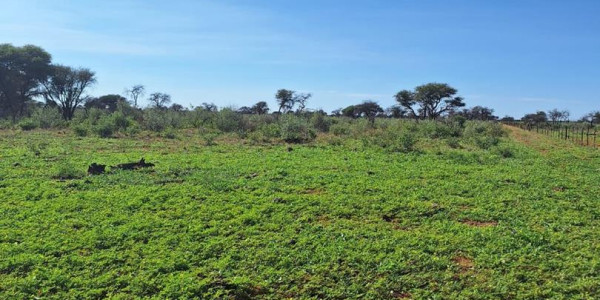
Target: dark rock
{"x": 96, "y": 169}
{"x": 133, "y": 165}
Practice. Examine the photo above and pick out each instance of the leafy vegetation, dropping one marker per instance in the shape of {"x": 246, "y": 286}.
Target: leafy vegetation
{"x": 327, "y": 219}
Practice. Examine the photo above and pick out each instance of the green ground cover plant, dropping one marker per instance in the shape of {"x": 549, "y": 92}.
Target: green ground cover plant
{"x": 403, "y": 210}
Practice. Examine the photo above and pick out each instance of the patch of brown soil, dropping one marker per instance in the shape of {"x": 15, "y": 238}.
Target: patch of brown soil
{"x": 480, "y": 223}
{"x": 464, "y": 263}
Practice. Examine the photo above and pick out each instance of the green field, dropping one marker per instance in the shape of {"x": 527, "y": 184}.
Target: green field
{"x": 332, "y": 219}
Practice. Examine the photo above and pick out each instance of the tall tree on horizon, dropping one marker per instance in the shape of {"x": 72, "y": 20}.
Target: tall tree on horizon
{"x": 22, "y": 71}
{"x": 433, "y": 100}
{"x": 65, "y": 88}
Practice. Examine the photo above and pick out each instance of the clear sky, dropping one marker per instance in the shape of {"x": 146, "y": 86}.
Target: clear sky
{"x": 514, "y": 56}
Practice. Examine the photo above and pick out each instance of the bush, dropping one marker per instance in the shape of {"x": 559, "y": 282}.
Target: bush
{"x": 229, "y": 121}
{"x": 48, "y": 117}
{"x": 81, "y": 130}
{"x": 65, "y": 170}
{"x": 104, "y": 128}
{"x": 27, "y": 124}
{"x": 483, "y": 134}
{"x": 453, "y": 142}
{"x": 320, "y": 122}
{"x": 120, "y": 121}
{"x": 505, "y": 152}
{"x": 407, "y": 142}
{"x": 156, "y": 120}
{"x": 295, "y": 130}
{"x": 340, "y": 129}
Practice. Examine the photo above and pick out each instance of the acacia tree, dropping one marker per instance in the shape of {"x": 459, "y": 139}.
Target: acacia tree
{"x": 65, "y": 88}
{"x": 135, "y": 92}
{"x": 370, "y": 109}
{"x": 285, "y": 100}
{"x": 592, "y": 118}
{"x": 159, "y": 100}
{"x": 556, "y": 115}
{"x": 260, "y": 108}
{"x": 22, "y": 70}
{"x": 432, "y": 100}
{"x": 301, "y": 99}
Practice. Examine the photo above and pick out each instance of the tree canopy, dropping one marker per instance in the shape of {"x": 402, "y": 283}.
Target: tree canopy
{"x": 22, "y": 71}
{"x": 65, "y": 88}
{"x": 430, "y": 100}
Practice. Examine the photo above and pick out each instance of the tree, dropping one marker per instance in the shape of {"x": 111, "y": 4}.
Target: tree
{"x": 433, "y": 100}
{"x": 65, "y": 88}
{"x": 301, "y": 99}
{"x": 592, "y": 118}
{"x": 22, "y": 70}
{"x": 106, "y": 102}
{"x": 507, "y": 119}
{"x": 177, "y": 107}
{"x": 395, "y": 112}
{"x": 336, "y": 112}
{"x": 369, "y": 109}
{"x": 538, "y": 117}
{"x": 556, "y": 115}
{"x": 260, "y": 108}
{"x": 210, "y": 107}
{"x": 245, "y": 110}
{"x": 478, "y": 113}
{"x": 350, "y": 112}
{"x": 159, "y": 100}
{"x": 135, "y": 92}
{"x": 285, "y": 100}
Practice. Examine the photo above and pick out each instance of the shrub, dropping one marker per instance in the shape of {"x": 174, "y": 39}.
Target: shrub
{"x": 48, "y": 117}
{"x": 156, "y": 120}
{"x": 65, "y": 170}
{"x": 453, "y": 142}
{"x": 228, "y": 120}
{"x": 407, "y": 142}
{"x": 104, "y": 128}
{"x": 27, "y": 124}
{"x": 81, "y": 130}
{"x": 320, "y": 122}
{"x": 483, "y": 134}
{"x": 505, "y": 152}
{"x": 340, "y": 129}
{"x": 295, "y": 130}
{"x": 120, "y": 121}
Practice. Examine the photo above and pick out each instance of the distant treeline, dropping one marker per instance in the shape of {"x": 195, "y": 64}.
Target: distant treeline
{"x": 34, "y": 92}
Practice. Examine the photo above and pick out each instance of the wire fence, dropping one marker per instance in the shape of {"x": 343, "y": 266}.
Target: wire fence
{"x": 583, "y": 134}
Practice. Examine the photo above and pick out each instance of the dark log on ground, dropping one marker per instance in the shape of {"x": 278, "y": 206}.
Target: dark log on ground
{"x": 96, "y": 169}
{"x": 133, "y": 166}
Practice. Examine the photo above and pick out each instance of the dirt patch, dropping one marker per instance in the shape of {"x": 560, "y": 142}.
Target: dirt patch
{"x": 480, "y": 223}
{"x": 464, "y": 263}
{"x": 559, "y": 188}
{"x": 400, "y": 295}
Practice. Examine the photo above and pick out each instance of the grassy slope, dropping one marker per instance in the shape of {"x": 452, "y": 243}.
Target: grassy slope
{"x": 319, "y": 221}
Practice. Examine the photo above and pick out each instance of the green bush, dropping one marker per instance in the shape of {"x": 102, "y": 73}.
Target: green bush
{"x": 483, "y": 134}
{"x": 104, "y": 128}
{"x": 407, "y": 142}
{"x": 48, "y": 117}
{"x": 295, "y": 130}
{"x": 27, "y": 124}
{"x": 320, "y": 122}
{"x": 340, "y": 129}
{"x": 228, "y": 120}
{"x": 66, "y": 170}
{"x": 81, "y": 130}
{"x": 156, "y": 120}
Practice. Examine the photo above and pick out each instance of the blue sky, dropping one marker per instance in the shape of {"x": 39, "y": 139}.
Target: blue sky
{"x": 514, "y": 56}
